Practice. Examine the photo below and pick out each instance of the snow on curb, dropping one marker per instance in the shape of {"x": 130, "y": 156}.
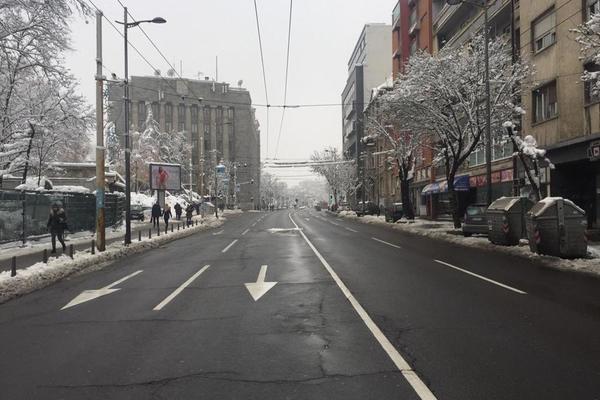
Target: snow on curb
{"x": 41, "y": 275}
{"x": 440, "y": 230}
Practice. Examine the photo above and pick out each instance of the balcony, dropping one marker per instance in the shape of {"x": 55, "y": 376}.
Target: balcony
{"x": 414, "y": 28}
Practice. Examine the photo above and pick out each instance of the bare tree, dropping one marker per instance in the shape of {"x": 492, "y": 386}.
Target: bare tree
{"x": 445, "y": 95}
{"x": 340, "y": 174}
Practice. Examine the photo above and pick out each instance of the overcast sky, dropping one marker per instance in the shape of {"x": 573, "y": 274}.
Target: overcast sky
{"x": 324, "y": 33}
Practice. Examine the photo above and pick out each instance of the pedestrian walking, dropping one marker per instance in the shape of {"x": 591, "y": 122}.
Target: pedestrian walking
{"x": 57, "y": 223}
{"x": 178, "y": 210}
{"x": 189, "y": 212}
{"x": 197, "y": 207}
{"x": 156, "y": 213}
{"x": 166, "y": 216}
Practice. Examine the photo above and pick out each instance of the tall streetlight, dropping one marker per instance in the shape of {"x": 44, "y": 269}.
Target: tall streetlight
{"x": 483, "y": 4}
{"x": 127, "y": 25}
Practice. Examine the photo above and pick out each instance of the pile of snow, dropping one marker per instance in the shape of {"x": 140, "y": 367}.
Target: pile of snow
{"x": 41, "y": 275}
{"x": 74, "y": 189}
{"x": 347, "y": 214}
{"x": 142, "y": 199}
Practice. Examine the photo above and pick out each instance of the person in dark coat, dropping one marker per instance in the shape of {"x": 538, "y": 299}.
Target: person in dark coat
{"x": 178, "y": 210}
{"x": 167, "y": 215}
{"x": 197, "y": 207}
{"x": 57, "y": 223}
{"x": 156, "y": 213}
{"x": 189, "y": 212}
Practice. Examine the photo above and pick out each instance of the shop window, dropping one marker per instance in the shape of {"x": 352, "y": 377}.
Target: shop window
{"x": 544, "y": 31}
{"x": 194, "y": 118}
{"x": 544, "y": 103}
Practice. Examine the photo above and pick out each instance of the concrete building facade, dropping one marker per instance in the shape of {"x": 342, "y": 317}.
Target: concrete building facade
{"x": 218, "y": 121}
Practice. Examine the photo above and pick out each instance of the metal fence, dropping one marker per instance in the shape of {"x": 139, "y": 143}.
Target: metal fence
{"x": 26, "y": 213}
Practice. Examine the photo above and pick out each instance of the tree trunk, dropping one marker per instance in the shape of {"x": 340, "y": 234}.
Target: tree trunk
{"x": 29, "y": 145}
{"x": 453, "y": 200}
{"x": 407, "y": 209}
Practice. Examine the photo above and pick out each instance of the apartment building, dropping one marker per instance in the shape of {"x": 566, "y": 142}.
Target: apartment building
{"x": 562, "y": 112}
{"x": 219, "y": 123}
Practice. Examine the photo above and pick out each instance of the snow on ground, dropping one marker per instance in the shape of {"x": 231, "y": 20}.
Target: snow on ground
{"x": 445, "y": 230}
{"x": 41, "y": 275}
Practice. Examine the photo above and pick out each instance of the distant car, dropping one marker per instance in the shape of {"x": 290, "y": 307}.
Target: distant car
{"x": 370, "y": 208}
{"x": 318, "y": 207}
{"x": 137, "y": 212}
{"x": 475, "y": 220}
{"x": 394, "y": 212}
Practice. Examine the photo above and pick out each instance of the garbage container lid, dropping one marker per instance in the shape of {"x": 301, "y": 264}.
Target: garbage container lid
{"x": 504, "y": 203}
{"x": 540, "y": 207}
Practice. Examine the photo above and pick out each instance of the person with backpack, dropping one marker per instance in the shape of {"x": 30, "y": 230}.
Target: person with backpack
{"x": 178, "y": 210}
{"x": 189, "y": 212}
{"x": 57, "y": 223}
{"x": 167, "y": 215}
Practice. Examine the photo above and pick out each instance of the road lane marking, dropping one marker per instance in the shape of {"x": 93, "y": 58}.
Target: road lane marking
{"x": 350, "y": 229}
{"x": 481, "y": 277}
{"x": 229, "y": 246}
{"x": 246, "y": 231}
{"x": 185, "y": 284}
{"x": 259, "y": 288}
{"x": 384, "y": 242}
{"x": 218, "y": 233}
{"x": 333, "y": 223}
{"x": 405, "y": 369}
{"x": 88, "y": 295}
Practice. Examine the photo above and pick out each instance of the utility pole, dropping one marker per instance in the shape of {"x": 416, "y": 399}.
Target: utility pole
{"x": 126, "y": 134}
{"x": 100, "y": 182}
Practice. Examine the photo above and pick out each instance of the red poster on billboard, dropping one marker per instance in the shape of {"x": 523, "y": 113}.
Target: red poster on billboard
{"x": 165, "y": 176}
{"x": 481, "y": 180}
{"x": 496, "y": 177}
{"x": 507, "y": 175}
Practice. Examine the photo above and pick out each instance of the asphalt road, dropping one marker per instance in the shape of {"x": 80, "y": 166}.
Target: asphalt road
{"x": 357, "y": 312}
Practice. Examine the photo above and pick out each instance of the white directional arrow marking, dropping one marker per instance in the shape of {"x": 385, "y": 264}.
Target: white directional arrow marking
{"x": 260, "y": 287}
{"x": 88, "y": 295}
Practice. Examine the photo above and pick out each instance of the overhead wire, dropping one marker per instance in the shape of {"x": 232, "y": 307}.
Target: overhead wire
{"x": 287, "y": 65}
{"x": 262, "y": 60}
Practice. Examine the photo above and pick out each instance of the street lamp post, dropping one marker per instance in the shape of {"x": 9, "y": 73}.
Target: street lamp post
{"x": 488, "y": 113}
{"x": 126, "y": 26}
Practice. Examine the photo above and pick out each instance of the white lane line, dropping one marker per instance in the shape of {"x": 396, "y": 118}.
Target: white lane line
{"x": 481, "y": 277}
{"x": 246, "y": 231}
{"x": 218, "y": 233}
{"x": 384, "y": 242}
{"x": 333, "y": 223}
{"x": 350, "y": 229}
{"x": 229, "y": 246}
{"x": 409, "y": 374}
{"x": 185, "y": 284}
{"x": 254, "y": 224}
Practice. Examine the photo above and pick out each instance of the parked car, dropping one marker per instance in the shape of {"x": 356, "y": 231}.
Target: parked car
{"x": 393, "y": 212}
{"x": 475, "y": 220}
{"x": 137, "y": 212}
{"x": 370, "y": 208}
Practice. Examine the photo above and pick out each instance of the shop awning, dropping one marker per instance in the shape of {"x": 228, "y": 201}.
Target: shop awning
{"x": 461, "y": 184}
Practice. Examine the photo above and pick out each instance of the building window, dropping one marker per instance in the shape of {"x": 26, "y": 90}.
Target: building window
{"x": 220, "y": 130}
{"x": 544, "y": 31}
{"x": 141, "y": 109}
{"x": 544, "y": 102}
{"x": 230, "y": 120}
{"x": 168, "y": 117}
{"x": 414, "y": 46}
{"x": 593, "y": 7}
{"x": 590, "y": 85}
{"x": 155, "y": 112}
{"x": 181, "y": 118}
{"x": 194, "y": 118}
{"x": 207, "y": 143}
{"x": 413, "y": 17}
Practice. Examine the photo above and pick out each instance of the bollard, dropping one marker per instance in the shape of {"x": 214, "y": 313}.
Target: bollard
{"x": 139, "y": 236}
{"x": 93, "y": 246}
{"x": 13, "y": 266}
{"x": 157, "y": 231}
{"x": 177, "y": 226}
{"x": 45, "y": 256}
{"x": 71, "y": 250}
{"x": 150, "y": 233}
{"x": 171, "y": 228}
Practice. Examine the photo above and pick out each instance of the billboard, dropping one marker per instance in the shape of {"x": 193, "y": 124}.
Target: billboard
{"x": 165, "y": 176}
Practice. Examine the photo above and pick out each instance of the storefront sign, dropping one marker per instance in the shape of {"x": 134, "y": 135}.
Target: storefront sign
{"x": 594, "y": 151}
{"x": 507, "y": 175}
{"x": 496, "y": 177}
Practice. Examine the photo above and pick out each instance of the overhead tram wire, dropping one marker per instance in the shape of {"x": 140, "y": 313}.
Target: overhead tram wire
{"x": 287, "y": 65}
{"x": 262, "y": 60}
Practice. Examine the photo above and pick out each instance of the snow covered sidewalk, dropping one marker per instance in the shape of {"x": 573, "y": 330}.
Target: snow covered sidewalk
{"x": 444, "y": 230}
{"x": 42, "y": 274}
